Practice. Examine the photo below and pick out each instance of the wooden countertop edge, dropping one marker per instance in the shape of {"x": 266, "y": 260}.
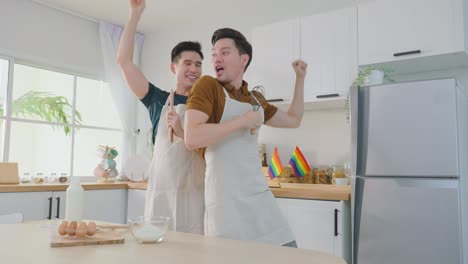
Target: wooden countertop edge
{"x": 44, "y": 187}
{"x": 311, "y": 194}
{"x": 325, "y": 192}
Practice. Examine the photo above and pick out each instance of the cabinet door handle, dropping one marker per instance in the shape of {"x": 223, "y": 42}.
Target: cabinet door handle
{"x": 327, "y": 95}
{"x": 407, "y": 53}
{"x": 275, "y": 100}
{"x": 50, "y": 209}
{"x": 336, "y": 222}
{"x": 58, "y": 208}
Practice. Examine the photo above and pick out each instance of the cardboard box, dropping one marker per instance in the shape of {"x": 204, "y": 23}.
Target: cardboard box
{"x": 9, "y": 173}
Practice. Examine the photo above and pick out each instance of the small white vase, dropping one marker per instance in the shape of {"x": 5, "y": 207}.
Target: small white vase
{"x": 375, "y": 77}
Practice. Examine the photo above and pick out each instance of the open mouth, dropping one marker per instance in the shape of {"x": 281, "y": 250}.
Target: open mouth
{"x": 191, "y": 77}
{"x": 219, "y": 70}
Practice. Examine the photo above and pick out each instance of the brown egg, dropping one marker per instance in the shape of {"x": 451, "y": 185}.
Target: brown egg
{"x": 62, "y": 229}
{"x": 71, "y": 228}
{"x": 92, "y": 228}
{"x": 81, "y": 230}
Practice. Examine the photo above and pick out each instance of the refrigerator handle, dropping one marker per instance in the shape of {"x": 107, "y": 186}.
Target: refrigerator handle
{"x": 50, "y": 208}
{"x": 353, "y": 120}
{"x": 336, "y": 222}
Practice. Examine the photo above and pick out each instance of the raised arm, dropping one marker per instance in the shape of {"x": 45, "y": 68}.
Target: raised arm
{"x": 132, "y": 74}
{"x": 293, "y": 117}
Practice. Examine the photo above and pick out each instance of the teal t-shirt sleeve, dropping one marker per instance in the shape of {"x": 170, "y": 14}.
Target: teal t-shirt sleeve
{"x": 154, "y": 95}
{"x": 154, "y": 101}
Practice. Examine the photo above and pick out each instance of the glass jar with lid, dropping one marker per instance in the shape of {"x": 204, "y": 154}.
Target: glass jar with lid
{"x": 322, "y": 175}
{"x": 338, "y": 172}
{"x": 308, "y": 177}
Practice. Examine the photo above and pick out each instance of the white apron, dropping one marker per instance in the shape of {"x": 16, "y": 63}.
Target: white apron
{"x": 176, "y": 180}
{"x": 239, "y": 203}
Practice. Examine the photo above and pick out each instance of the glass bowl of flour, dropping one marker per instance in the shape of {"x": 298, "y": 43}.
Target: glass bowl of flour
{"x": 149, "y": 230}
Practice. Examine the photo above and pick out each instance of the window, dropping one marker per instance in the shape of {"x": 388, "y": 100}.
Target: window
{"x": 56, "y": 122}
{"x": 3, "y": 96}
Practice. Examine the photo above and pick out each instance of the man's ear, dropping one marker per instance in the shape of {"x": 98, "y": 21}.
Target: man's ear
{"x": 245, "y": 59}
{"x": 173, "y": 68}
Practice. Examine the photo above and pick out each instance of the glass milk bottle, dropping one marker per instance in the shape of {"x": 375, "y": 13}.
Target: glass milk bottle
{"x": 74, "y": 200}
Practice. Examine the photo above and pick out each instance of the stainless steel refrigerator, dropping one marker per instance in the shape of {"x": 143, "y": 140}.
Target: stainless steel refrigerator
{"x": 410, "y": 166}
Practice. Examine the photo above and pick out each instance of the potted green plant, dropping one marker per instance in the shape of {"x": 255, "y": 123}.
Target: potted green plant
{"x": 369, "y": 75}
{"x": 363, "y": 77}
{"x": 46, "y": 106}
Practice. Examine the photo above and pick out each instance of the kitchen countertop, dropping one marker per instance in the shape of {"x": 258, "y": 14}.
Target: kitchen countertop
{"x": 297, "y": 191}
{"x": 29, "y": 243}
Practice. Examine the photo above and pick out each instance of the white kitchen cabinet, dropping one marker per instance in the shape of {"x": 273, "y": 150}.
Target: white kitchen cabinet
{"x": 136, "y": 203}
{"x": 320, "y": 225}
{"x": 102, "y": 205}
{"x": 34, "y": 205}
{"x": 398, "y": 30}
{"x": 329, "y": 46}
{"x": 106, "y": 205}
{"x": 275, "y": 47}
{"x": 326, "y": 42}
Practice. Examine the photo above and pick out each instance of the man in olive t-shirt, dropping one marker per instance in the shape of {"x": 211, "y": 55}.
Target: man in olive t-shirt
{"x": 218, "y": 117}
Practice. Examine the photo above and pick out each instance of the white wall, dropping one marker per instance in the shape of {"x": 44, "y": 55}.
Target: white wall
{"x": 324, "y": 136}
{"x": 46, "y": 36}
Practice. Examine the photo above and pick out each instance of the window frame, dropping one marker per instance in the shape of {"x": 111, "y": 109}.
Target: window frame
{"x": 7, "y": 118}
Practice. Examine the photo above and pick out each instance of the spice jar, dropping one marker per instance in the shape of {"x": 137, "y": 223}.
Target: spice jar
{"x": 338, "y": 172}
{"x": 39, "y": 178}
{"x": 307, "y": 178}
{"x": 288, "y": 176}
{"x": 323, "y": 175}
{"x": 63, "y": 178}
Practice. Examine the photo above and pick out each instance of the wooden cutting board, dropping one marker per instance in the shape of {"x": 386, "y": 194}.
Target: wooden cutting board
{"x": 104, "y": 236}
{"x": 9, "y": 173}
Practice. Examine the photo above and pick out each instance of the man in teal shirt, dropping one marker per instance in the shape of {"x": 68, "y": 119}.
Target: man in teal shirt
{"x": 176, "y": 175}
{"x": 155, "y": 97}
{"x": 186, "y": 65}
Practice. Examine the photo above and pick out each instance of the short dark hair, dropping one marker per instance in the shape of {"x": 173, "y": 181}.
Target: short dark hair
{"x": 240, "y": 41}
{"x": 185, "y": 46}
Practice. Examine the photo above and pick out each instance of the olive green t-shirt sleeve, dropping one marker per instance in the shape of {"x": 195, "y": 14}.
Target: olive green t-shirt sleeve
{"x": 202, "y": 95}
{"x": 269, "y": 109}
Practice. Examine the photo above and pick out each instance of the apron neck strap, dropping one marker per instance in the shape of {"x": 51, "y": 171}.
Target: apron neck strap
{"x": 168, "y": 98}
{"x": 225, "y": 92}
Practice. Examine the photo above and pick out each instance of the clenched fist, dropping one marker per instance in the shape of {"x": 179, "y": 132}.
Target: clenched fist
{"x": 253, "y": 119}
{"x": 137, "y": 6}
{"x": 173, "y": 120}
{"x": 300, "y": 68}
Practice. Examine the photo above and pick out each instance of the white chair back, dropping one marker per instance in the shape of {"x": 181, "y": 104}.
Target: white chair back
{"x": 11, "y": 218}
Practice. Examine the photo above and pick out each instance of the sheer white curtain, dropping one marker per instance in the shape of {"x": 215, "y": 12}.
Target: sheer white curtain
{"x": 123, "y": 98}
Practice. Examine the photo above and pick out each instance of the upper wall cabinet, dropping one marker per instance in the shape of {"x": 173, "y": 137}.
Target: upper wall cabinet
{"x": 329, "y": 46}
{"x": 327, "y": 42}
{"x": 429, "y": 32}
{"x": 275, "y": 47}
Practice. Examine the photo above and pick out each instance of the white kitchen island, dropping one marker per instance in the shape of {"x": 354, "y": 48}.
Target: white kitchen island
{"x": 29, "y": 243}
